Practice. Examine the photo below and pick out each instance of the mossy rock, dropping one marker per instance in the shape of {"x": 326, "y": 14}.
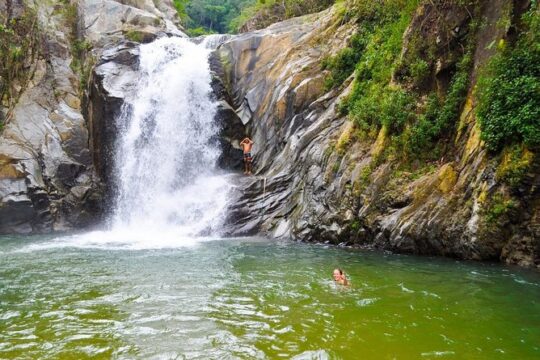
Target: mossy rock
{"x": 139, "y": 36}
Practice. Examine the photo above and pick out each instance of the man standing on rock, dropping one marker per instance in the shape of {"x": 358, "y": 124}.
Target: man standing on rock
{"x": 246, "y": 145}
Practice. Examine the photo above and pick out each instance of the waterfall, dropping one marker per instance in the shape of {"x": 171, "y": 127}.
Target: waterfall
{"x": 166, "y": 153}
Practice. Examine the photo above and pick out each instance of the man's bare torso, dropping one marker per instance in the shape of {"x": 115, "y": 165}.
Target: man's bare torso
{"x": 246, "y": 145}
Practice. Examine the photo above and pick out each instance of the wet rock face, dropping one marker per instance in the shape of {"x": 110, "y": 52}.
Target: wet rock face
{"x": 44, "y": 146}
{"x": 274, "y": 85}
{"x": 309, "y": 187}
{"x": 113, "y": 78}
{"x": 232, "y": 127}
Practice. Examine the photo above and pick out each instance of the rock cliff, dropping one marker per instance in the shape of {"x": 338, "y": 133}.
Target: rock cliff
{"x": 57, "y": 128}
{"x": 318, "y": 179}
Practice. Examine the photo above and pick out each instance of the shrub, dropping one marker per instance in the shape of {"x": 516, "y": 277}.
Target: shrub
{"x": 509, "y": 91}
{"x": 498, "y": 207}
{"x": 440, "y": 117}
{"x": 342, "y": 65}
{"x": 421, "y": 134}
{"x": 199, "y": 31}
{"x": 419, "y": 71}
{"x": 383, "y": 106}
{"x": 373, "y": 102}
{"x": 19, "y": 46}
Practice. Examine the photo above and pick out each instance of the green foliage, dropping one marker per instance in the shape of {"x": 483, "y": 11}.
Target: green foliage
{"x": 419, "y": 70}
{"x": 80, "y": 65}
{"x": 180, "y": 6}
{"x": 411, "y": 173}
{"x": 81, "y": 46}
{"x": 376, "y": 101}
{"x": 456, "y": 94}
{"x": 498, "y": 207}
{"x": 422, "y": 133}
{"x": 439, "y": 118}
{"x": 509, "y": 91}
{"x": 515, "y": 163}
{"x": 355, "y": 225}
{"x": 373, "y": 102}
{"x": 376, "y": 13}
{"x": 135, "y": 36}
{"x": 383, "y": 106}
{"x": 19, "y": 46}
{"x": 342, "y": 65}
{"x": 202, "y": 17}
{"x": 383, "y": 48}
{"x": 199, "y": 31}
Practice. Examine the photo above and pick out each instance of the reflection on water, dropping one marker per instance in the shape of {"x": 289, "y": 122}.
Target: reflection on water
{"x": 253, "y": 298}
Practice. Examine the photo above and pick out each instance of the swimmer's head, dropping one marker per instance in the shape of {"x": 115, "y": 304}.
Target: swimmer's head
{"x": 338, "y": 273}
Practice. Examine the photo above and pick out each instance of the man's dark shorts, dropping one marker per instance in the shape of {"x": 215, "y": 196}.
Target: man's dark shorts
{"x": 247, "y": 156}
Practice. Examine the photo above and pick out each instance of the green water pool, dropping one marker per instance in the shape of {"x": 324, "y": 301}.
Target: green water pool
{"x": 258, "y": 299}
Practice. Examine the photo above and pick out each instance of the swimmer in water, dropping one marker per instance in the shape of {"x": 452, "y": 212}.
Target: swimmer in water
{"x": 339, "y": 277}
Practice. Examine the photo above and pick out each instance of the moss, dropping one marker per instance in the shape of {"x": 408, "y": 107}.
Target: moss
{"x": 336, "y": 165}
{"x": 345, "y": 139}
{"x": 329, "y": 150}
{"x": 516, "y": 162}
{"x": 447, "y": 178}
{"x": 474, "y": 141}
{"x": 135, "y": 36}
{"x": 365, "y": 174}
{"x": 465, "y": 117}
{"x": 483, "y": 195}
{"x": 498, "y": 207}
{"x": 355, "y": 225}
{"x": 378, "y": 146}
{"x": 407, "y": 172}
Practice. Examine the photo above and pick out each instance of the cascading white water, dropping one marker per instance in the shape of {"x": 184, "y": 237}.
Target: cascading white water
{"x": 169, "y": 191}
{"x": 166, "y": 155}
